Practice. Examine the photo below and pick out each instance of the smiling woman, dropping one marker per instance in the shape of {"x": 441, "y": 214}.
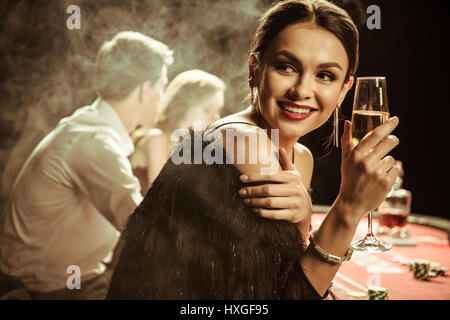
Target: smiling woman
{"x": 302, "y": 79}
{"x": 301, "y": 66}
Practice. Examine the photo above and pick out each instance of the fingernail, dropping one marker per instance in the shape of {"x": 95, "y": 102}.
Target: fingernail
{"x": 243, "y": 177}
{"x": 242, "y": 192}
{"x": 394, "y": 119}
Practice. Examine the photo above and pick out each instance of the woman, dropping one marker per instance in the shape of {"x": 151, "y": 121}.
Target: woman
{"x": 302, "y": 62}
{"x": 301, "y": 66}
{"x": 193, "y": 97}
{"x": 193, "y": 238}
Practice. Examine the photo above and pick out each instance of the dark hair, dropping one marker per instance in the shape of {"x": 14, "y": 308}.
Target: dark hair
{"x": 193, "y": 238}
{"x": 321, "y": 12}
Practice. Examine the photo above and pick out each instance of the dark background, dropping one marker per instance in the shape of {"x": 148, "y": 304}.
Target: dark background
{"x": 410, "y": 49}
{"x": 46, "y": 74}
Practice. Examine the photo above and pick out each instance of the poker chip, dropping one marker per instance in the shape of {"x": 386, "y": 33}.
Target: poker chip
{"x": 420, "y": 269}
{"x": 356, "y": 294}
{"x": 377, "y": 293}
{"x": 436, "y": 270}
{"x": 423, "y": 269}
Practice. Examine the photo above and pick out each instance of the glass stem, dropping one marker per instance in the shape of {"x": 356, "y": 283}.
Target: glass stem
{"x": 370, "y": 233}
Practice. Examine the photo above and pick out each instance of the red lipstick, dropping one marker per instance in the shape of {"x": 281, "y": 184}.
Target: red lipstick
{"x": 292, "y": 115}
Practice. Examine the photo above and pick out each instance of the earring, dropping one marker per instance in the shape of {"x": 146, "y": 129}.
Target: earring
{"x": 336, "y": 126}
{"x": 253, "y": 96}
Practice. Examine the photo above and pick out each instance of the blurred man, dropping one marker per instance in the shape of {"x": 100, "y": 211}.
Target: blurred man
{"x": 76, "y": 190}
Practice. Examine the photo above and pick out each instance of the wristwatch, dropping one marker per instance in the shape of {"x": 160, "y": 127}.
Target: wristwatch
{"x": 330, "y": 258}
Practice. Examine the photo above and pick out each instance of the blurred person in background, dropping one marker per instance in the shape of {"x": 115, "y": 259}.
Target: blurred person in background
{"x": 193, "y": 98}
{"x": 76, "y": 190}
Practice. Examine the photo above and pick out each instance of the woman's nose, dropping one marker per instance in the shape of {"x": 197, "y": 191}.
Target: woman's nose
{"x": 303, "y": 88}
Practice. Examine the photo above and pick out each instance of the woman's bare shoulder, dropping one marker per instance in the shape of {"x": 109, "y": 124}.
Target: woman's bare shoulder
{"x": 244, "y": 139}
{"x": 240, "y": 121}
{"x": 304, "y": 163}
{"x": 303, "y": 152}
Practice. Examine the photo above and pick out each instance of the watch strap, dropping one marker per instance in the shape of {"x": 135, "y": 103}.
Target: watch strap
{"x": 330, "y": 258}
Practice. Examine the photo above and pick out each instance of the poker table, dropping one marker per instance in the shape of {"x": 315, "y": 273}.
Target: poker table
{"x": 428, "y": 240}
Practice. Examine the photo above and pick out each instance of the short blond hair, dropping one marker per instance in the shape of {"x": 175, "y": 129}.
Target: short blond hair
{"x": 126, "y": 61}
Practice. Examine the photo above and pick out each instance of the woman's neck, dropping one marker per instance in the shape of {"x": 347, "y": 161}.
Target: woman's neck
{"x": 283, "y": 141}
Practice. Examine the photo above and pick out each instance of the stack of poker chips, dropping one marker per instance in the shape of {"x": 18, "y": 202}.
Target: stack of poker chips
{"x": 420, "y": 269}
{"x": 377, "y": 293}
{"x": 436, "y": 270}
{"x": 423, "y": 269}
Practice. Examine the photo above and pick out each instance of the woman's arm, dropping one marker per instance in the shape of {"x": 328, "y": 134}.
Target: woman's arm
{"x": 367, "y": 176}
{"x": 284, "y": 195}
{"x": 281, "y": 194}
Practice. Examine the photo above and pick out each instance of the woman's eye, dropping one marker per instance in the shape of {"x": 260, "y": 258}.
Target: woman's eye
{"x": 285, "y": 67}
{"x": 326, "y": 76}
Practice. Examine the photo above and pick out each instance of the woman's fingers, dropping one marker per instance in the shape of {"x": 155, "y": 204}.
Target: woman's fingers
{"x": 284, "y": 160}
{"x": 374, "y": 137}
{"x": 280, "y": 177}
{"x": 386, "y": 164}
{"x": 281, "y": 197}
{"x": 270, "y": 189}
{"x": 273, "y": 202}
{"x": 393, "y": 173}
{"x": 346, "y": 139}
{"x": 277, "y": 214}
{"x": 386, "y": 145}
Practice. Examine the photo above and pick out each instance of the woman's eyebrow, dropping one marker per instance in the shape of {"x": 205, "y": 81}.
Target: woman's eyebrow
{"x": 288, "y": 55}
{"x": 330, "y": 65}
{"x": 291, "y": 56}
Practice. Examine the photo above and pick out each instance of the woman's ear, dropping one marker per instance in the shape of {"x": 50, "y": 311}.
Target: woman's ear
{"x": 345, "y": 88}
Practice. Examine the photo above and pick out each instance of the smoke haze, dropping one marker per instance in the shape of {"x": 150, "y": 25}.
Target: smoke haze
{"x": 47, "y": 68}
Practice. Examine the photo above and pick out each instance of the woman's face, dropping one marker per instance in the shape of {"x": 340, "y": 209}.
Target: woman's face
{"x": 301, "y": 79}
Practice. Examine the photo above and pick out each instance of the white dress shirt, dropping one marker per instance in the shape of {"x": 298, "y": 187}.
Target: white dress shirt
{"x": 73, "y": 193}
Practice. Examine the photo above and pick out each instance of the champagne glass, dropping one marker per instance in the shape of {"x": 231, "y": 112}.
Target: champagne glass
{"x": 370, "y": 109}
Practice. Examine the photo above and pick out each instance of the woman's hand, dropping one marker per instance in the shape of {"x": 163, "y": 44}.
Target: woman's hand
{"x": 283, "y": 197}
{"x": 367, "y": 173}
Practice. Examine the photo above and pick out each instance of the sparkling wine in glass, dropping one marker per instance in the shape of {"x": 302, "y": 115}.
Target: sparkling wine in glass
{"x": 370, "y": 109}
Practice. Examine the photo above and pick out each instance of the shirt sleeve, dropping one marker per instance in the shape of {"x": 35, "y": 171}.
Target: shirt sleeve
{"x": 104, "y": 175}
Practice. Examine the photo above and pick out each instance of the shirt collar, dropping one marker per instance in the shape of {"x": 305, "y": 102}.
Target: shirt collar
{"x": 110, "y": 116}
